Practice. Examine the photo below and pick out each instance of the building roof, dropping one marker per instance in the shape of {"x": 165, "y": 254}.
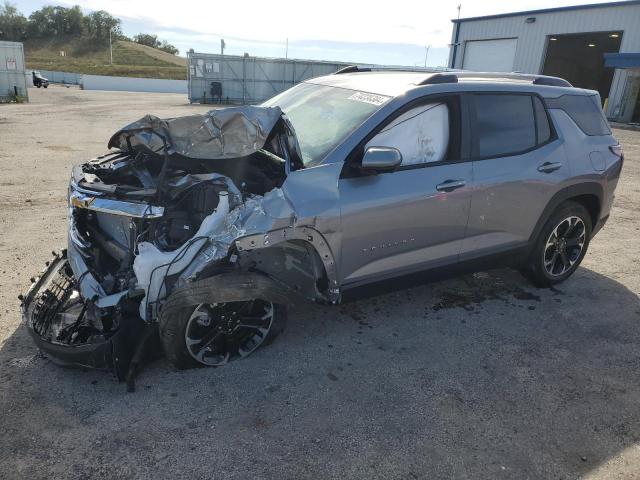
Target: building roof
{"x": 550, "y": 10}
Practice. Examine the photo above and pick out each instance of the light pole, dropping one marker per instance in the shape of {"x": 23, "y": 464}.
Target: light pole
{"x": 426, "y": 55}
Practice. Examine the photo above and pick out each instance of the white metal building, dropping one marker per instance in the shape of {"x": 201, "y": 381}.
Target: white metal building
{"x": 569, "y": 42}
{"x": 13, "y": 80}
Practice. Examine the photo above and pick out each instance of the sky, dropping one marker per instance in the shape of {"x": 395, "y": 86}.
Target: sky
{"x": 397, "y": 32}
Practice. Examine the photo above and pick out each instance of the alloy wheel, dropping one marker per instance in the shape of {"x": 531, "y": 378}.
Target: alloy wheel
{"x": 564, "y": 246}
{"x": 219, "y": 332}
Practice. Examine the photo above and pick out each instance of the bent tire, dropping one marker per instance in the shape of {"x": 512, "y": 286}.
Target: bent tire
{"x": 213, "y": 333}
{"x": 560, "y": 246}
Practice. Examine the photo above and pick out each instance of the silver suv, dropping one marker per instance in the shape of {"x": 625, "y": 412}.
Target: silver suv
{"x": 199, "y": 230}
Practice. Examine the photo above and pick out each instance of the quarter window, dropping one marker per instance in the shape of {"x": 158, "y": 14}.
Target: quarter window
{"x": 585, "y": 111}
{"x": 505, "y": 124}
{"x": 421, "y": 134}
{"x": 543, "y": 130}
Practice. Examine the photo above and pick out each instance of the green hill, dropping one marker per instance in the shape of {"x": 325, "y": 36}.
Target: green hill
{"x": 82, "y": 56}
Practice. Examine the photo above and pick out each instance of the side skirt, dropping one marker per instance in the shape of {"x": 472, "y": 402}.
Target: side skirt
{"x": 511, "y": 258}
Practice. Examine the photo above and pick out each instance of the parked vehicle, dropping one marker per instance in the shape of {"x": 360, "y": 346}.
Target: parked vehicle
{"x": 199, "y": 230}
{"x": 39, "y": 80}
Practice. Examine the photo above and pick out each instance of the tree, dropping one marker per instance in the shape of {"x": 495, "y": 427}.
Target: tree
{"x": 147, "y": 39}
{"x": 100, "y": 23}
{"x": 167, "y": 47}
{"x": 152, "y": 41}
{"x": 13, "y": 25}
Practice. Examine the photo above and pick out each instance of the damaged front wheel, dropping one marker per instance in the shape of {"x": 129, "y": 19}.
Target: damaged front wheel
{"x": 214, "y": 334}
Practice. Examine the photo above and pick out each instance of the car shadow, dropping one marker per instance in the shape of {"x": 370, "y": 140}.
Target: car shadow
{"x": 480, "y": 376}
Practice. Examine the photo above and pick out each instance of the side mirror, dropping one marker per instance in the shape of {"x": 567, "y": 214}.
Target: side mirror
{"x": 381, "y": 159}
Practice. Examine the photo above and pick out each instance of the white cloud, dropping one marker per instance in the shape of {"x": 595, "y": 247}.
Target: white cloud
{"x": 398, "y": 21}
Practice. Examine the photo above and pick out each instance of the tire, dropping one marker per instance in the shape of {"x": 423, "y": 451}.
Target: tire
{"x": 38, "y": 86}
{"x": 227, "y": 344}
{"x": 45, "y": 86}
{"x": 560, "y": 246}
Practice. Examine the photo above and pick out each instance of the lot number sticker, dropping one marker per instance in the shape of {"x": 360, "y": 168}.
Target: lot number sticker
{"x": 371, "y": 98}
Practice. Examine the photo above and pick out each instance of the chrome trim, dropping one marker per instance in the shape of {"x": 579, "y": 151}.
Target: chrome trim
{"x": 116, "y": 207}
{"x": 74, "y": 186}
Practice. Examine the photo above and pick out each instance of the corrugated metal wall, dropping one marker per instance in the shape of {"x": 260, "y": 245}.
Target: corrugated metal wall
{"x": 249, "y": 80}
{"x": 532, "y": 37}
{"x": 12, "y": 72}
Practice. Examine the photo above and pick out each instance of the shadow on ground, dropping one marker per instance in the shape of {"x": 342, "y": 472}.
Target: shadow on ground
{"x": 482, "y": 376}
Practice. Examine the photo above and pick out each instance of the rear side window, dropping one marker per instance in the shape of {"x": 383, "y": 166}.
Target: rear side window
{"x": 505, "y": 124}
{"x": 584, "y": 110}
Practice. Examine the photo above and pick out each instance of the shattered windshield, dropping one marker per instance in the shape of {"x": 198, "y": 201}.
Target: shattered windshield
{"x": 323, "y": 116}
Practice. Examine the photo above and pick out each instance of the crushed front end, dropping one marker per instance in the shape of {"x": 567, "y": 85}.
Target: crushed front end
{"x": 161, "y": 210}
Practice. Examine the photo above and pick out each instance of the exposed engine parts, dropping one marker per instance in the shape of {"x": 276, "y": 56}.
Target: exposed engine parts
{"x": 166, "y": 210}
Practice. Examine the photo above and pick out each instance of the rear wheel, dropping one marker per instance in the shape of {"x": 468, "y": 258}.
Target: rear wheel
{"x": 561, "y": 245}
{"x": 217, "y": 333}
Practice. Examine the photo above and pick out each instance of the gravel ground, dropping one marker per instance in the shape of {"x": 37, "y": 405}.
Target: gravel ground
{"x": 482, "y": 376}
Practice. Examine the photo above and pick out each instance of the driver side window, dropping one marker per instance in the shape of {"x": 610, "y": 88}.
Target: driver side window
{"x": 421, "y": 134}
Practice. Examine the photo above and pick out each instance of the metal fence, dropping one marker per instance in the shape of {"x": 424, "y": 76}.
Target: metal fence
{"x": 248, "y": 80}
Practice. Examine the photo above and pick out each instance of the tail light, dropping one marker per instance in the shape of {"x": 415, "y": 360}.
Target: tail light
{"x": 617, "y": 150}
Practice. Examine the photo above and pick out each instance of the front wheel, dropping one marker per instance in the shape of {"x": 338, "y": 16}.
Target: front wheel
{"x": 561, "y": 245}
{"x": 214, "y": 334}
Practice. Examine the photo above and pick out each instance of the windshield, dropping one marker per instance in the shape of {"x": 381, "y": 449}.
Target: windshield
{"x": 323, "y": 116}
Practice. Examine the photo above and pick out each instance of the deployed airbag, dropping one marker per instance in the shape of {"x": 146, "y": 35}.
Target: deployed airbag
{"x": 218, "y": 134}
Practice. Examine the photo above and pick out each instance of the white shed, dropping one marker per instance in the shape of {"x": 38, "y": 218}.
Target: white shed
{"x": 13, "y": 79}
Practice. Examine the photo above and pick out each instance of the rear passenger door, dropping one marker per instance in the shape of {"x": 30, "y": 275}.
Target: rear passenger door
{"x": 518, "y": 165}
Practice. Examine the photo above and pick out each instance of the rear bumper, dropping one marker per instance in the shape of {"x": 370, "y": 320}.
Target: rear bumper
{"x": 44, "y": 300}
{"x": 598, "y": 226}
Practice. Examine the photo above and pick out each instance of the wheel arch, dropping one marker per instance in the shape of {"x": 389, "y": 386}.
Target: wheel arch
{"x": 281, "y": 254}
{"x": 587, "y": 194}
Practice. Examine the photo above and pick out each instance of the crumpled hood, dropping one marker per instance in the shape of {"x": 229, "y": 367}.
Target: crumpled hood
{"x": 218, "y": 134}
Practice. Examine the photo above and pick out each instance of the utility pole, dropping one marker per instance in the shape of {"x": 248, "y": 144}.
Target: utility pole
{"x": 426, "y": 55}
{"x": 222, "y": 46}
{"x": 110, "y": 48}
{"x": 286, "y": 49}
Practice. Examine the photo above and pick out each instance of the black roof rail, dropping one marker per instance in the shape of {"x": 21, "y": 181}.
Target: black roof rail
{"x": 352, "y": 69}
{"x": 377, "y": 68}
{"x": 439, "y": 78}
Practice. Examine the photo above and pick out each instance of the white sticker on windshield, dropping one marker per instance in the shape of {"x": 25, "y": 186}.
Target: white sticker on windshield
{"x": 371, "y": 98}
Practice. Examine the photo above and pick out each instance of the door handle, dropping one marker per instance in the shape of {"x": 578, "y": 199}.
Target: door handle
{"x": 548, "y": 167}
{"x": 450, "y": 185}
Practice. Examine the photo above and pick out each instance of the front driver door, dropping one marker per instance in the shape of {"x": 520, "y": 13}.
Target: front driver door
{"x": 415, "y": 216}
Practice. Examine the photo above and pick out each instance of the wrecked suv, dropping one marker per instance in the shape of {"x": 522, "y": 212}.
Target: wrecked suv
{"x": 193, "y": 234}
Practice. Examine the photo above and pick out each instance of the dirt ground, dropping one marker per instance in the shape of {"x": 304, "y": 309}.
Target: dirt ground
{"x": 483, "y": 376}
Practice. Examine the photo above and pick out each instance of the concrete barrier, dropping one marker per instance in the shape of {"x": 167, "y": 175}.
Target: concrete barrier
{"x": 130, "y": 84}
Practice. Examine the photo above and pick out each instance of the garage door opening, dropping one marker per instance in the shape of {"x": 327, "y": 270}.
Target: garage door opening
{"x": 490, "y": 55}
{"x": 579, "y": 58}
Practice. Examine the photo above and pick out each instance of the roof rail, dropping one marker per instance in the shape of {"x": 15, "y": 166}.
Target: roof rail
{"x": 352, "y": 69}
{"x": 535, "y": 79}
{"x": 375, "y": 68}
{"x": 439, "y": 78}
{"x": 439, "y": 75}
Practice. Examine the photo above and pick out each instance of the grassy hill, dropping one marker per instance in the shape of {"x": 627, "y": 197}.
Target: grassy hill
{"x": 129, "y": 59}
